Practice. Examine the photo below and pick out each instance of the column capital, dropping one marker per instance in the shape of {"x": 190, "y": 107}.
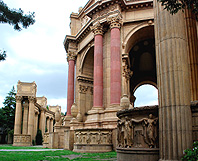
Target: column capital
{"x": 115, "y": 22}
{"x": 71, "y": 55}
{"x": 31, "y": 99}
{"x": 18, "y": 98}
{"x": 97, "y": 29}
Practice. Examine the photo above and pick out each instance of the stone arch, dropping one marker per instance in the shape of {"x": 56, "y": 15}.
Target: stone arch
{"x": 144, "y": 83}
{"x": 86, "y": 55}
{"x": 132, "y": 38}
{"x": 139, "y": 45}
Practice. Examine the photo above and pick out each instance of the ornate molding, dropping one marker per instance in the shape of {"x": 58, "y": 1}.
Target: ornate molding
{"x": 84, "y": 79}
{"x": 97, "y": 29}
{"x": 71, "y": 55}
{"x": 83, "y": 89}
{"x": 115, "y": 22}
{"x": 18, "y": 98}
{"x": 31, "y": 99}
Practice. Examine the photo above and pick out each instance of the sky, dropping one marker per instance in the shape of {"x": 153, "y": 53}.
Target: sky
{"x": 37, "y": 53}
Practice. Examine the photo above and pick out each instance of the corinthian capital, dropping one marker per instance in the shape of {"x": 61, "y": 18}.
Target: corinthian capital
{"x": 71, "y": 55}
{"x": 31, "y": 99}
{"x": 97, "y": 29}
{"x": 115, "y": 22}
{"x": 18, "y": 98}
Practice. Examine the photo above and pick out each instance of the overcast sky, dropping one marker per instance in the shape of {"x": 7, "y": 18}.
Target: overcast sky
{"x": 37, "y": 53}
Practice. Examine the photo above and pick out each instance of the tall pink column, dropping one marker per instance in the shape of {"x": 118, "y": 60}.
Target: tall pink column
{"x": 115, "y": 88}
{"x": 98, "y": 66}
{"x": 70, "y": 88}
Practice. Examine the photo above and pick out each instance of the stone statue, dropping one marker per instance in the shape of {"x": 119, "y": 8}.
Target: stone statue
{"x": 120, "y": 132}
{"x": 127, "y": 133}
{"x": 150, "y": 130}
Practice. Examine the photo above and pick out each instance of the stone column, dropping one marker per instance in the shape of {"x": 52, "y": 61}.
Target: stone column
{"x": 115, "y": 88}
{"x": 48, "y": 124}
{"x": 18, "y": 115}
{"x": 98, "y": 66}
{"x": 31, "y": 117}
{"x": 70, "y": 88}
{"x": 175, "y": 125}
{"x": 42, "y": 122}
{"x": 36, "y": 124}
{"x": 51, "y": 125}
{"x": 25, "y": 117}
{"x": 193, "y": 52}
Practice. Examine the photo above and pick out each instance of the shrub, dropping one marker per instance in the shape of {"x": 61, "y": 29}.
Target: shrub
{"x": 39, "y": 137}
{"x": 191, "y": 154}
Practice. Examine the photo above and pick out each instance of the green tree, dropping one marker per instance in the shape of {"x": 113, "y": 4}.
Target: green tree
{"x": 7, "y": 112}
{"x": 2, "y": 55}
{"x": 173, "y": 6}
{"x": 39, "y": 137}
{"x": 15, "y": 17}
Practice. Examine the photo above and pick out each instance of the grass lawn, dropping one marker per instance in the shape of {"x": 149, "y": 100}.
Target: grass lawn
{"x": 52, "y": 155}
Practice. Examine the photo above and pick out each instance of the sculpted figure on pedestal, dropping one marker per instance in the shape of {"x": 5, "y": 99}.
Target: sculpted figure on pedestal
{"x": 127, "y": 133}
{"x": 120, "y": 133}
{"x": 150, "y": 130}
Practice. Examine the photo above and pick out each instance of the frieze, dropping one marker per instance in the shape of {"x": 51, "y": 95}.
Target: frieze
{"x": 22, "y": 138}
{"x": 137, "y": 133}
{"x": 93, "y": 136}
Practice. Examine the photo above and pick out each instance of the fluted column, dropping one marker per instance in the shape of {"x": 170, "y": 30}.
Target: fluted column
{"x": 18, "y": 115}
{"x": 115, "y": 87}
{"x": 70, "y": 88}
{"x": 193, "y": 52}
{"x": 175, "y": 126}
{"x": 51, "y": 125}
{"x": 25, "y": 117}
{"x": 98, "y": 66}
{"x": 31, "y": 116}
{"x": 48, "y": 124}
{"x": 36, "y": 124}
{"x": 42, "y": 121}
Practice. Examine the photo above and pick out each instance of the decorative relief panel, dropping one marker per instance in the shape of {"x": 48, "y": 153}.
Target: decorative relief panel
{"x": 22, "y": 139}
{"x": 137, "y": 133}
{"x": 84, "y": 89}
{"x": 46, "y": 138}
{"x": 93, "y": 136}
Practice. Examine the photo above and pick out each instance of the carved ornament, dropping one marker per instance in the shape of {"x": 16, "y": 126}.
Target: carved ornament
{"x": 137, "y": 133}
{"x": 93, "y": 137}
{"x": 71, "y": 55}
{"x": 18, "y": 98}
{"x": 31, "y": 99}
{"x": 115, "y": 22}
{"x": 97, "y": 29}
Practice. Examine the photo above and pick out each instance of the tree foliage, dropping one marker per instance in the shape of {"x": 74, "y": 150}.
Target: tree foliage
{"x": 15, "y": 17}
{"x": 39, "y": 137}
{"x": 7, "y": 112}
{"x": 173, "y": 6}
{"x": 2, "y": 55}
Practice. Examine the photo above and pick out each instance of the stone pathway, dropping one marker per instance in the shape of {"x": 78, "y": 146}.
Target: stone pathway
{"x": 30, "y": 149}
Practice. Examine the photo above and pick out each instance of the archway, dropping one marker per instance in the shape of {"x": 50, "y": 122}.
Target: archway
{"x": 146, "y": 95}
